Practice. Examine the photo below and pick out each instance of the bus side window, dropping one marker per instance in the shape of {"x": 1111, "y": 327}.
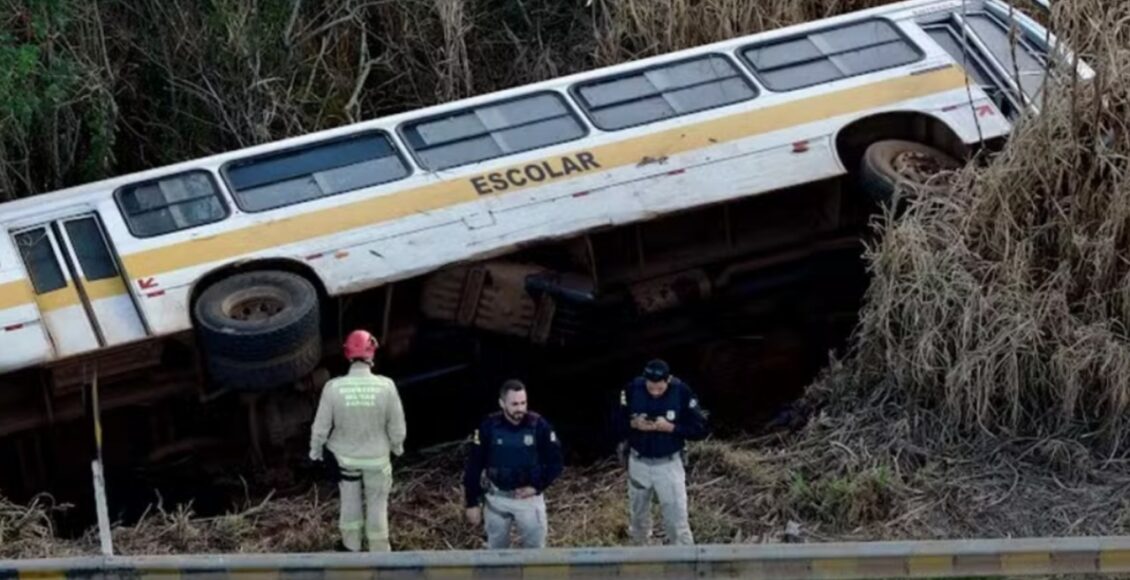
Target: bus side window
{"x": 970, "y": 59}
{"x": 1015, "y": 55}
{"x": 171, "y": 204}
{"x": 831, "y": 54}
{"x": 663, "y": 91}
{"x": 492, "y": 130}
{"x": 315, "y": 170}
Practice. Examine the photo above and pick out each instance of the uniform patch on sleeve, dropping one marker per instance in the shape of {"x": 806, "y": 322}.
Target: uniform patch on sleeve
{"x": 694, "y": 403}
{"x": 553, "y": 437}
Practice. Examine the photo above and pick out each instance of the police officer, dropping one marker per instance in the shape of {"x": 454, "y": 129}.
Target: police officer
{"x": 361, "y": 420}
{"x": 658, "y": 413}
{"x": 522, "y": 457}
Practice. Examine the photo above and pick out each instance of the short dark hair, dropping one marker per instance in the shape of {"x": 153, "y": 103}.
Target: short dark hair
{"x": 512, "y": 385}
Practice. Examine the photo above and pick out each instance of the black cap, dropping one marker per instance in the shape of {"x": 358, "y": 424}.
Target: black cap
{"x": 656, "y": 370}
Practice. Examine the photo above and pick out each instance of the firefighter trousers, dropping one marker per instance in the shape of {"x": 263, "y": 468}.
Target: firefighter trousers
{"x": 369, "y": 485}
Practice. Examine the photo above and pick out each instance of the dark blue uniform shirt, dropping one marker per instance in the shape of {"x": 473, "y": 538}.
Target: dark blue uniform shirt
{"x": 514, "y": 456}
{"x": 678, "y": 405}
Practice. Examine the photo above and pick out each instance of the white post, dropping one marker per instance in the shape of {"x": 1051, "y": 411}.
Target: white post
{"x": 100, "y": 506}
{"x": 99, "y": 479}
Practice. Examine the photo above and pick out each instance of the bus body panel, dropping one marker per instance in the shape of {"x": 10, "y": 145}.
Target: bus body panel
{"x": 369, "y": 237}
{"x": 23, "y": 341}
{"x": 359, "y": 258}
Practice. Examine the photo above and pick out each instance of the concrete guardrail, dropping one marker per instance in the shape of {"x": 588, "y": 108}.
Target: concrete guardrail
{"x": 928, "y": 559}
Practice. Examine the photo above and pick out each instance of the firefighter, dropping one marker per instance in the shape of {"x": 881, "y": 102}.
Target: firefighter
{"x": 657, "y": 414}
{"x": 361, "y": 420}
{"x": 522, "y": 457}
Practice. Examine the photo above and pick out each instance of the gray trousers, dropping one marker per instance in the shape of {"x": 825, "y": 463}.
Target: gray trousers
{"x": 528, "y": 515}
{"x": 668, "y": 481}
{"x": 377, "y": 483}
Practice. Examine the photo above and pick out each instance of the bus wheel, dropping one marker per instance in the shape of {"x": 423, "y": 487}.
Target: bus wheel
{"x": 891, "y": 165}
{"x": 258, "y": 317}
{"x": 269, "y": 374}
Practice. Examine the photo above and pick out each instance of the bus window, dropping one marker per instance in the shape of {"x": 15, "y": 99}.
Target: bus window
{"x": 1014, "y": 55}
{"x": 314, "y": 171}
{"x": 969, "y": 58}
{"x": 91, "y": 250}
{"x": 171, "y": 204}
{"x": 493, "y": 130}
{"x": 39, "y": 257}
{"x": 663, "y": 91}
{"x": 831, "y": 54}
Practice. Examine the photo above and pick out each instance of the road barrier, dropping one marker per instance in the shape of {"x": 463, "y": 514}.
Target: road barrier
{"x": 925, "y": 559}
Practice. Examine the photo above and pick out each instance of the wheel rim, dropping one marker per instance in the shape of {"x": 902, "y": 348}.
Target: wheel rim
{"x": 256, "y": 309}
{"x": 254, "y": 306}
{"x": 921, "y": 168}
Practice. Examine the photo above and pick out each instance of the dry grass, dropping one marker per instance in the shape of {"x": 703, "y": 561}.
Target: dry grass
{"x": 28, "y": 532}
{"x": 1005, "y": 303}
{"x": 294, "y": 524}
{"x": 843, "y": 477}
{"x": 739, "y": 494}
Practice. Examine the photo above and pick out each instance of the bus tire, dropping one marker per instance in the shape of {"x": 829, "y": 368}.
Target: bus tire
{"x": 281, "y": 372}
{"x": 880, "y": 175}
{"x": 257, "y": 316}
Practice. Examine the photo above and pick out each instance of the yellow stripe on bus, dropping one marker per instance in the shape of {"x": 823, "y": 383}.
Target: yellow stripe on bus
{"x": 19, "y": 293}
{"x": 56, "y": 299}
{"x": 15, "y": 293}
{"x": 107, "y": 288}
{"x": 314, "y": 224}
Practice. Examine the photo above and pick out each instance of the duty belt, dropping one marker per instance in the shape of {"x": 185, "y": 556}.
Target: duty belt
{"x": 494, "y": 489}
{"x": 655, "y": 460}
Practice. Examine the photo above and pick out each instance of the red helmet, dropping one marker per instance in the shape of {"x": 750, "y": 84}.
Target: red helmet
{"x": 360, "y": 345}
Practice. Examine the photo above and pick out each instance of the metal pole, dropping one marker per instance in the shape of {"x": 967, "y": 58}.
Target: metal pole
{"x": 387, "y": 314}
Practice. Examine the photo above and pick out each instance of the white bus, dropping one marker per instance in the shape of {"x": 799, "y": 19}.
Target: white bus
{"x": 252, "y": 252}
